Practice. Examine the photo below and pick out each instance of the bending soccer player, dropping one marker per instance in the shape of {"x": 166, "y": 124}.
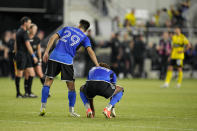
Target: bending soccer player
{"x": 61, "y": 60}
{"x": 101, "y": 81}
{"x": 179, "y": 42}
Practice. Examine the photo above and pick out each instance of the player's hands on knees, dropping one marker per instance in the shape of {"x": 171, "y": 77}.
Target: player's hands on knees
{"x": 45, "y": 57}
{"x": 35, "y": 59}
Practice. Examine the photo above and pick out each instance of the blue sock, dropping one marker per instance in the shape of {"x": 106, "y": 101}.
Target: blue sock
{"x": 83, "y": 98}
{"x": 45, "y": 94}
{"x": 72, "y": 98}
{"x": 116, "y": 98}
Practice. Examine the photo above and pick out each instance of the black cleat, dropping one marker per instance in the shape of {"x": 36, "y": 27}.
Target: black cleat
{"x": 19, "y": 96}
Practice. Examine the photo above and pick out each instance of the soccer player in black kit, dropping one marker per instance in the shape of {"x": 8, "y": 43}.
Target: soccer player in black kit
{"x": 35, "y": 43}
{"x": 23, "y": 48}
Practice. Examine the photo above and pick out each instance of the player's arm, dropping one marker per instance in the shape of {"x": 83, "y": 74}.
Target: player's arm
{"x": 39, "y": 53}
{"x": 15, "y": 47}
{"x": 52, "y": 39}
{"x": 92, "y": 56}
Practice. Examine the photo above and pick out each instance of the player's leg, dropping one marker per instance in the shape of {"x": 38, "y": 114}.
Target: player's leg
{"x": 118, "y": 93}
{"x": 20, "y": 65}
{"x": 53, "y": 69}
{"x": 19, "y": 74}
{"x": 67, "y": 74}
{"x": 26, "y": 74}
{"x": 71, "y": 97}
{"x": 168, "y": 76}
{"x": 87, "y": 102}
{"x": 45, "y": 93}
{"x": 180, "y": 77}
{"x": 31, "y": 73}
{"x": 40, "y": 74}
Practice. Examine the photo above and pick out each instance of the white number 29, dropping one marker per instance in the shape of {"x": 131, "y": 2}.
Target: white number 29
{"x": 74, "y": 38}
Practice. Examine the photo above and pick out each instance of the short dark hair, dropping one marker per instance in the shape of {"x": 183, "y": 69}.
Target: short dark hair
{"x": 84, "y": 24}
{"x": 104, "y": 65}
{"x": 24, "y": 19}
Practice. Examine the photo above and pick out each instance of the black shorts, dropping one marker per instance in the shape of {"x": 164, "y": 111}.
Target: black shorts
{"x": 54, "y": 68}
{"x": 101, "y": 88}
{"x": 176, "y": 62}
{"x": 23, "y": 60}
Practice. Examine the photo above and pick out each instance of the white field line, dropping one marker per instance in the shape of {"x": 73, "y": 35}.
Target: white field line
{"x": 98, "y": 125}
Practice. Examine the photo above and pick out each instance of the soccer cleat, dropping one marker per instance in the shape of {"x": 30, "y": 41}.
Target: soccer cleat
{"x": 19, "y": 96}
{"x": 42, "y": 111}
{"x": 32, "y": 95}
{"x": 165, "y": 85}
{"x": 74, "y": 114}
{"x": 89, "y": 113}
{"x": 113, "y": 113}
{"x": 107, "y": 113}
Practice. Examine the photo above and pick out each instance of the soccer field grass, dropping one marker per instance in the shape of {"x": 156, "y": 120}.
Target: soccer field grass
{"x": 144, "y": 107}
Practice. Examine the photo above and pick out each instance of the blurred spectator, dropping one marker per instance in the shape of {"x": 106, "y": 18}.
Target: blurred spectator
{"x": 157, "y": 17}
{"x": 127, "y": 45}
{"x": 88, "y": 63}
{"x": 170, "y": 12}
{"x": 40, "y": 35}
{"x": 12, "y": 53}
{"x": 116, "y": 52}
{"x": 164, "y": 50}
{"x": 138, "y": 55}
{"x": 164, "y": 18}
{"x": 4, "y": 50}
{"x": 116, "y": 24}
{"x": 152, "y": 53}
{"x": 190, "y": 57}
{"x": 130, "y": 17}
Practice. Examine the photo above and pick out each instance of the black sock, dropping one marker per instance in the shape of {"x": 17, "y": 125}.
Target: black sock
{"x": 26, "y": 84}
{"x": 42, "y": 80}
{"x": 30, "y": 84}
{"x": 17, "y": 83}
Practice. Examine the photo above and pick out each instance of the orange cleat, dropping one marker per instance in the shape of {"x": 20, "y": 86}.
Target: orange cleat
{"x": 107, "y": 113}
{"x": 89, "y": 113}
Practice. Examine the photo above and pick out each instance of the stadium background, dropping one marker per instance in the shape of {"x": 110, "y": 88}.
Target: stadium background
{"x": 151, "y": 108}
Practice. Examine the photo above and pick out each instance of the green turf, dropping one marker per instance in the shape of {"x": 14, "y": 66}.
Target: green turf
{"x": 144, "y": 107}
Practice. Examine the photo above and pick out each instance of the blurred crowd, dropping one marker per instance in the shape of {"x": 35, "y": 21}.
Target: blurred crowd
{"x": 172, "y": 16}
{"x": 129, "y": 52}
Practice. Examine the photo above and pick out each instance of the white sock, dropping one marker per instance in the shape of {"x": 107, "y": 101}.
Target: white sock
{"x": 43, "y": 105}
{"x": 87, "y": 106}
{"x": 71, "y": 109}
{"x": 109, "y": 107}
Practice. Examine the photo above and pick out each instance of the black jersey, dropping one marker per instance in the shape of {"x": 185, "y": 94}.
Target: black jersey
{"x": 21, "y": 38}
{"x": 34, "y": 43}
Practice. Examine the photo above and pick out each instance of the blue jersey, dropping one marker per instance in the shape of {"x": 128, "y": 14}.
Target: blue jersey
{"x": 71, "y": 39}
{"x": 102, "y": 74}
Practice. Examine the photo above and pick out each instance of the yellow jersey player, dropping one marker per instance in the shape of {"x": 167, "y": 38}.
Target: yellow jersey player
{"x": 179, "y": 44}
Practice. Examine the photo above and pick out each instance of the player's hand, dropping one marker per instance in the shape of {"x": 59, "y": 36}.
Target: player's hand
{"x": 35, "y": 60}
{"x": 45, "y": 57}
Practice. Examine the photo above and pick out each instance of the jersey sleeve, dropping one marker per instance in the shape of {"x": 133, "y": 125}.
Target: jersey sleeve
{"x": 26, "y": 37}
{"x": 185, "y": 40}
{"x": 60, "y": 32}
{"x": 113, "y": 78}
{"x": 86, "y": 42}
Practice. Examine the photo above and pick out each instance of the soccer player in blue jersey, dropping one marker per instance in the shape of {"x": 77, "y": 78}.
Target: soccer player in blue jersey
{"x": 101, "y": 81}
{"x": 61, "y": 60}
